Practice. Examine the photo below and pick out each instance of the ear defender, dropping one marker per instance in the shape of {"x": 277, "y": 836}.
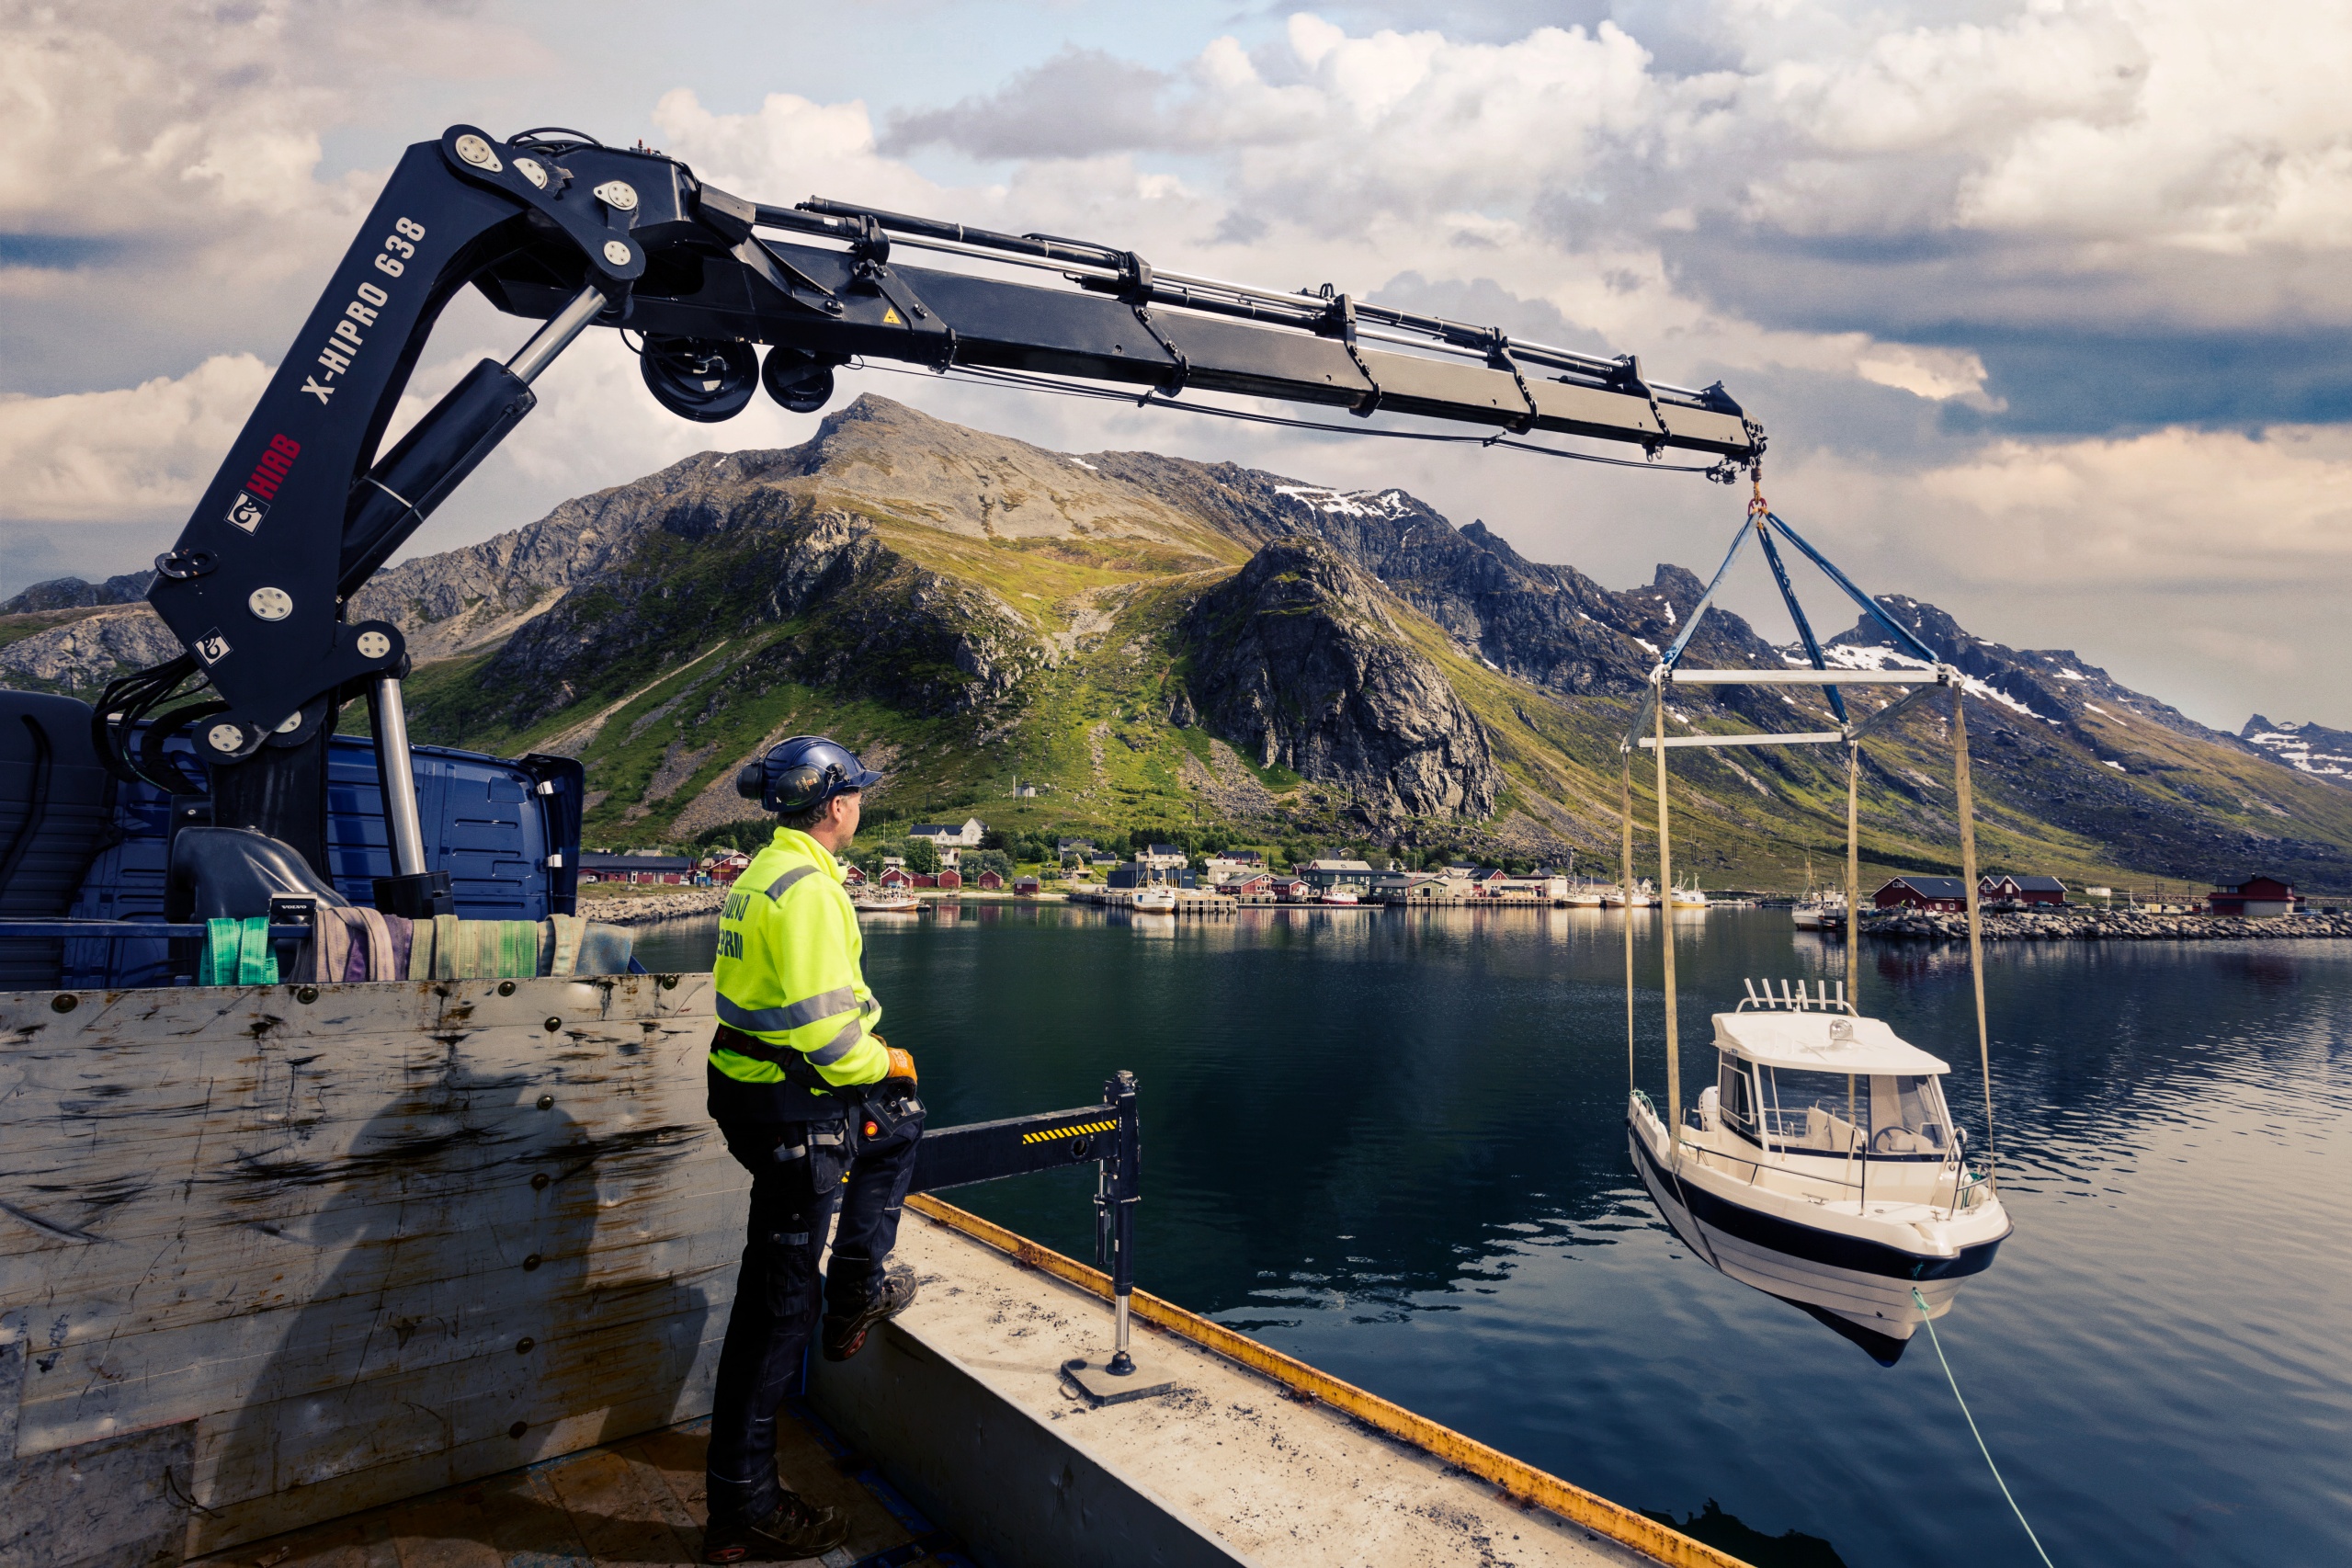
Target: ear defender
{"x": 751, "y": 778}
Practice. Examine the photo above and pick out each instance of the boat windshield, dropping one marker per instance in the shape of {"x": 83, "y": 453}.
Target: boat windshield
{"x": 1836, "y": 1112}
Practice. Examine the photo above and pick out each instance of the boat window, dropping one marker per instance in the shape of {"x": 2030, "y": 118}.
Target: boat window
{"x": 1731, "y": 1091}
{"x": 1907, "y": 1116}
{"x": 1812, "y": 1110}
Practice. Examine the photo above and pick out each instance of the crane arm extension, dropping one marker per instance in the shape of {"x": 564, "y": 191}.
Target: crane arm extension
{"x": 564, "y": 232}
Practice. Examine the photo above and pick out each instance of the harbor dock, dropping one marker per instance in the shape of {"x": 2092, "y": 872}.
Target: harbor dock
{"x": 437, "y": 1272}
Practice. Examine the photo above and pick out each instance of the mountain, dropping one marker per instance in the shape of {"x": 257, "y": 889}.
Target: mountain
{"x": 2306, "y": 747}
{"x": 1152, "y": 643}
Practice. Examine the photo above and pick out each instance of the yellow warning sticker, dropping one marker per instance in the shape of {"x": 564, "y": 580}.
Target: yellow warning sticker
{"x": 1068, "y": 1132}
{"x": 891, "y": 317}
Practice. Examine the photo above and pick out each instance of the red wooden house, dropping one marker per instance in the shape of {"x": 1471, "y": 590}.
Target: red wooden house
{"x": 2255, "y": 898}
{"x": 1947, "y": 896}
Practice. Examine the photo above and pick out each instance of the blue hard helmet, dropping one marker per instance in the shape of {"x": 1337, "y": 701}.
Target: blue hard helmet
{"x": 802, "y": 773}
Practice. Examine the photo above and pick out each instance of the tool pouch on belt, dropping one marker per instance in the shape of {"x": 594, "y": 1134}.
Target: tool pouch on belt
{"x": 804, "y": 1095}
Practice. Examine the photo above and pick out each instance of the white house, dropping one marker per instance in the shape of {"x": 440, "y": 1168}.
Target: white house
{"x": 1163, "y": 858}
{"x": 944, "y": 836}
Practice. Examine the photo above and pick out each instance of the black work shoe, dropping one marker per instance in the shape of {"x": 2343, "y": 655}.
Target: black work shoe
{"x": 797, "y": 1528}
{"x": 844, "y": 1336}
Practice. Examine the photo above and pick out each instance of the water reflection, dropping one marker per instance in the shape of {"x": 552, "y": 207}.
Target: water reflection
{"x": 1394, "y": 1142}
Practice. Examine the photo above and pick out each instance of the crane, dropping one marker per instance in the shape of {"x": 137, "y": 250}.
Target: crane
{"x": 553, "y": 227}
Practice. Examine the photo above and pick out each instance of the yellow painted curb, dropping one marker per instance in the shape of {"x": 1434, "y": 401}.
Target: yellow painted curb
{"x": 1520, "y": 1481}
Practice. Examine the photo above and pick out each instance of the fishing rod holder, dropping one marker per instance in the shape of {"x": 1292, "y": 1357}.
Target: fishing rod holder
{"x": 1107, "y": 1136}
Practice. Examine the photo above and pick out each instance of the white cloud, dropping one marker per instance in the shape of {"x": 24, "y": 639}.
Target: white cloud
{"x": 139, "y": 454}
{"x": 1740, "y": 188}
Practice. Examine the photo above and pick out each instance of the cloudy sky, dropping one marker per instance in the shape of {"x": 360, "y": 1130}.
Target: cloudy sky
{"x": 2045, "y": 303}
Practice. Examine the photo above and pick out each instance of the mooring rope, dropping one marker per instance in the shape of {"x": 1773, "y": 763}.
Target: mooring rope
{"x": 1975, "y": 924}
{"x": 1625, "y": 813}
{"x": 1667, "y": 933}
{"x": 1853, "y": 876}
{"x": 1930, "y": 1323}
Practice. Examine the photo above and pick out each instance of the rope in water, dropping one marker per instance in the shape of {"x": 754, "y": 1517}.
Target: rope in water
{"x": 1977, "y": 1434}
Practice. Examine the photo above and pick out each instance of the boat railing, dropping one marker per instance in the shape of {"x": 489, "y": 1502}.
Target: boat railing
{"x": 1969, "y": 1189}
{"x": 1760, "y": 998}
{"x": 1757, "y": 1168}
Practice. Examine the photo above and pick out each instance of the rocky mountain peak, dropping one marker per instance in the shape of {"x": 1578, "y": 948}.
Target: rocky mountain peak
{"x": 2304, "y": 746}
{"x": 1295, "y": 661}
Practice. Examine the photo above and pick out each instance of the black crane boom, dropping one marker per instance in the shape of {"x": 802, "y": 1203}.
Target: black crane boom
{"x": 553, "y": 227}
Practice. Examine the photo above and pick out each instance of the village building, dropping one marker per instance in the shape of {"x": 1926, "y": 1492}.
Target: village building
{"x": 1140, "y": 874}
{"x": 989, "y": 881}
{"x": 944, "y": 836}
{"x": 1411, "y": 887}
{"x": 2021, "y": 890}
{"x": 1946, "y": 895}
{"x": 1025, "y": 887}
{"x": 1229, "y": 864}
{"x": 725, "y": 868}
{"x": 603, "y": 865}
{"x": 1068, "y": 850}
{"x": 1324, "y": 875}
{"x": 851, "y": 876}
{"x": 1294, "y": 889}
{"x": 2255, "y": 898}
{"x": 1163, "y": 857}
{"x": 1248, "y": 884}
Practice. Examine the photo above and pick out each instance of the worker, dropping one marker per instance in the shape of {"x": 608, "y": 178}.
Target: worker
{"x": 822, "y": 1110}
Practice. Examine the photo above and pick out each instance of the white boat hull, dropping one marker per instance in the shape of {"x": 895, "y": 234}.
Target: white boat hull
{"x": 1860, "y": 1281}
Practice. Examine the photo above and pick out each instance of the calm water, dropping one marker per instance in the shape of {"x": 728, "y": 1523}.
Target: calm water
{"x": 1393, "y": 1145}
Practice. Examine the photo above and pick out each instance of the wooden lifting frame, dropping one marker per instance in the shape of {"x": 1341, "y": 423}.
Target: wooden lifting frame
{"x": 1761, "y": 523}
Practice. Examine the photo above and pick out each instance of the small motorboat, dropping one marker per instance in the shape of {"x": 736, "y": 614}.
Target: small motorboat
{"x": 1155, "y": 901}
{"x": 886, "y": 900}
{"x": 1823, "y": 1167}
{"x": 1820, "y": 911}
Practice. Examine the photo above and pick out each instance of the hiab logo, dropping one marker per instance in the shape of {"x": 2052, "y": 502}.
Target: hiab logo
{"x": 252, "y": 504}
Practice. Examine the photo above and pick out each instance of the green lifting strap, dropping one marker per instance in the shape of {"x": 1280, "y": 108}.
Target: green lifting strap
{"x": 517, "y": 949}
{"x": 238, "y": 952}
{"x": 221, "y": 941}
{"x": 256, "y": 955}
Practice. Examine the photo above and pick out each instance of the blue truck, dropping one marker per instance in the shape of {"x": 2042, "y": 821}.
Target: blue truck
{"x": 79, "y": 844}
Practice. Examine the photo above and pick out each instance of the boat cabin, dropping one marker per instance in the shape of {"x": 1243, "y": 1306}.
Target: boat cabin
{"x": 1791, "y": 1083}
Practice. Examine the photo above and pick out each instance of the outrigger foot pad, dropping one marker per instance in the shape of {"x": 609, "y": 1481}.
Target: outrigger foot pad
{"x": 1099, "y": 1385}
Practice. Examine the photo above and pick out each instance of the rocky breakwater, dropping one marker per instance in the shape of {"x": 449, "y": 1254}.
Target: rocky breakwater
{"x": 683, "y": 904}
{"x": 1293, "y": 661}
{"x": 2098, "y": 925}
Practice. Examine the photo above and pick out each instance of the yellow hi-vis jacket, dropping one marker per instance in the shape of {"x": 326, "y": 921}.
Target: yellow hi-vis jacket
{"x": 787, "y": 969}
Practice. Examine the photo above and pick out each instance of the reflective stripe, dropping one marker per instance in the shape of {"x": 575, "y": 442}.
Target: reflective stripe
{"x": 776, "y": 1020}
{"x": 783, "y": 884}
{"x": 839, "y": 1045}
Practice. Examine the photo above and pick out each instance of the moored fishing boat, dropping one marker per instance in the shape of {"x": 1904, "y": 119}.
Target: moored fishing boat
{"x": 1155, "y": 901}
{"x": 1339, "y": 898}
{"x": 1823, "y": 1167}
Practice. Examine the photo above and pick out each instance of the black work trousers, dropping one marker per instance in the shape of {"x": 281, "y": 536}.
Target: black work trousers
{"x": 801, "y": 1172}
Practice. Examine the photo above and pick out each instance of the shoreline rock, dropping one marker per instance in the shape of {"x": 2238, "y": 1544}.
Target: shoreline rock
{"x": 683, "y": 904}
{"x": 2102, "y": 926}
